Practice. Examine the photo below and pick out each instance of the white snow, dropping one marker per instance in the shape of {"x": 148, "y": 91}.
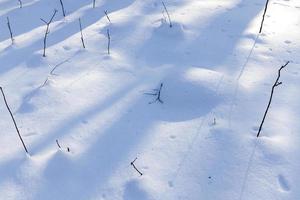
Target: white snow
{"x": 200, "y": 143}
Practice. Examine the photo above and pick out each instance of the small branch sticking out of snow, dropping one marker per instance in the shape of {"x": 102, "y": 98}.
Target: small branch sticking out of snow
{"x": 157, "y": 93}
{"x": 20, "y": 3}
{"x": 215, "y": 122}
{"x": 47, "y": 31}
{"x": 13, "y": 119}
{"x": 10, "y": 32}
{"x": 263, "y": 19}
{"x": 94, "y": 3}
{"x": 105, "y": 11}
{"x": 68, "y": 149}
{"x": 170, "y": 22}
{"x": 108, "y": 42}
{"x": 277, "y": 83}
{"x": 62, "y": 8}
{"x": 82, "y": 40}
{"x": 58, "y": 144}
{"x": 133, "y": 165}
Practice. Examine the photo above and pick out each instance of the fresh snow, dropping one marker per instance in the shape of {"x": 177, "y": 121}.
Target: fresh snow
{"x": 200, "y": 143}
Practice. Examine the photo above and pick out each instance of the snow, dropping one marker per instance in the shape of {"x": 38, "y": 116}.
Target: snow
{"x": 200, "y": 143}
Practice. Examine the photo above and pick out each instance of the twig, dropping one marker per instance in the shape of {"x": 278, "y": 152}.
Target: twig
{"x": 47, "y": 31}
{"x": 263, "y": 19}
{"x": 58, "y": 144}
{"x": 13, "y": 119}
{"x": 215, "y": 122}
{"x": 20, "y": 3}
{"x": 62, "y": 8}
{"x": 108, "y": 42}
{"x": 106, "y": 14}
{"x": 157, "y": 93}
{"x": 10, "y": 32}
{"x": 277, "y": 83}
{"x": 170, "y": 22}
{"x": 82, "y": 40}
{"x": 133, "y": 165}
{"x": 94, "y": 3}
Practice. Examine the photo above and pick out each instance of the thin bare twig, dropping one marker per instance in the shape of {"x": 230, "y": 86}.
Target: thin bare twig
{"x": 157, "y": 93}
{"x": 20, "y": 3}
{"x": 277, "y": 83}
{"x": 263, "y": 19}
{"x": 106, "y": 14}
{"x": 133, "y": 165}
{"x": 170, "y": 22}
{"x": 108, "y": 42}
{"x": 58, "y": 144}
{"x": 10, "y": 31}
{"x": 82, "y": 39}
{"x": 13, "y": 119}
{"x": 62, "y": 8}
{"x": 47, "y": 31}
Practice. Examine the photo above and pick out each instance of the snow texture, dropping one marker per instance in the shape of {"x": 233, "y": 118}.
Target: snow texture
{"x": 200, "y": 143}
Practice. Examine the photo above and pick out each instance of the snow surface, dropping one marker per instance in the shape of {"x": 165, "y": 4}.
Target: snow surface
{"x": 214, "y": 67}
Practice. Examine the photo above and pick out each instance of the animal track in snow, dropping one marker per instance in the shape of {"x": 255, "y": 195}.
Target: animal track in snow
{"x": 171, "y": 184}
{"x": 283, "y": 183}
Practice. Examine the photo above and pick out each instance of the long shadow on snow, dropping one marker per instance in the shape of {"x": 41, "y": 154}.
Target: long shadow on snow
{"x": 215, "y": 43}
{"x": 14, "y": 56}
{"x": 28, "y": 18}
{"x": 87, "y": 175}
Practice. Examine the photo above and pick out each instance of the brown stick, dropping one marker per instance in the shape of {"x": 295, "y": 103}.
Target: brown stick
{"x": 21, "y": 4}
{"x": 10, "y": 32}
{"x": 132, "y": 164}
{"x": 13, "y": 119}
{"x": 170, "y": 22}
{"x": 263, "y": 19}
{"x": 157, "y": 93}
{"x": 62, "y": 8}
{"x": 108, "y": 42}
{"x": 106, "y": 14}
{"x": 82, "y": 40}
{"x": 277, "y": 83}
{"x": 47, "y": 31}
{"x": 58, "y": 144}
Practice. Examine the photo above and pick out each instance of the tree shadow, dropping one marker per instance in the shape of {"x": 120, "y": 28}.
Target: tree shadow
{"x": 16, "y": 55}
{"x": 112, "y": 146}
{"x": 133, "y": 191}
{"x": 66, "y": 177}
{"x": 211, "y": 48}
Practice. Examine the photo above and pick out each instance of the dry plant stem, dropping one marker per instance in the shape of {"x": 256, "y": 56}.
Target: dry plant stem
{"x": 13, "y": 119}
{"x": 263, "y": 19}
{"x": 82, "y": 39}
{"x": 133, "y": 165}
{"x": 108, "y": 42}
{"x": 47, "y": 31}
{"x": 157, "y": 93}
{"x": 62, "y": 8}
{"x": 10, "y": 31}
{"x": 58, "y": 144}
{"x": 277, "y": 83}
{"x": 20, "y": 3}
{"x": 170, "y": 22}
{"x": 106, "y": 14}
